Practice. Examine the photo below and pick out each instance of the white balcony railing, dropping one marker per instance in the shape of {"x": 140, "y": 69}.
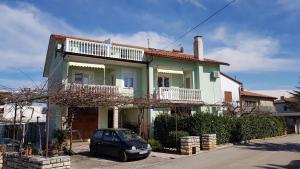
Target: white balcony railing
{"x": 178, "y": 94}
{"x": 103, "y": 50}
{"x": 104, "y": 89}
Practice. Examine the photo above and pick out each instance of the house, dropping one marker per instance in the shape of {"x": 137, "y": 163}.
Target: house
{"x": 29, "y": 121}
{"x": 231, "y": 92}
{"x": 173, "y": 76}
{"x": 290, "y": 111}
{"x": 256, "y": 103}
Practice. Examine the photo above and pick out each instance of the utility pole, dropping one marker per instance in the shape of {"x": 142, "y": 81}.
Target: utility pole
{"x": 14, "y": 122}
{"x": 47, "y": 127}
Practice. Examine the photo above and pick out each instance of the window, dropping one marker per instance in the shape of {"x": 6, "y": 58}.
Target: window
{"x": 188, "y": 82}
{"x": 285, "y": 108}
{"x": 250, "y": 103}
{"x": 228, "y": 96}
{"x": 78, "y": 77}
{"x": 128, "y": 82}
{"x": 107, "y": 136}
{"x": 82, "y": 77}
{"x": 98, "y": 134}
{"x": 163, "y": 82}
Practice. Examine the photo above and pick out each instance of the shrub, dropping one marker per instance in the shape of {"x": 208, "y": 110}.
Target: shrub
{"x": 227, "y": 128}
{"x": 172, "y": 142}
{"x": 155, "y": 144}
{"x": 163, "y": 124}
{"x": 60, "y": 136}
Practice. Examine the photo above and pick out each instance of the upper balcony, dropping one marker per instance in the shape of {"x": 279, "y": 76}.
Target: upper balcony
{"x": 105, "y": 50}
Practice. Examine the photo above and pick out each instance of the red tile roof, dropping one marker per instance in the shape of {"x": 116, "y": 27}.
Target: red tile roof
{"x": 252, "y": 94}
{"x": 156, "y": 52}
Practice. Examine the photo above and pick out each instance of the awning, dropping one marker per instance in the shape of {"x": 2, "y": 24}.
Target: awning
{"x": 170, "y": 71}
{"x": 90, "y": 65}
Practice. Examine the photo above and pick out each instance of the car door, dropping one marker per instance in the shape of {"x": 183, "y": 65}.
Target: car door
{"x": 107, "y": 140}
{"x": 111, "y": 143}
{"x": 97, "y": 140}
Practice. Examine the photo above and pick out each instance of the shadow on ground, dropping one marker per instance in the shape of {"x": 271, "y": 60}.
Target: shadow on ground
{"x": 295, "y": 164}
{"x": 291, "y": 147}
{"x": 104, "y": 157}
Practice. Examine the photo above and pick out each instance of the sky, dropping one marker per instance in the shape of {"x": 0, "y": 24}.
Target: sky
{"x": 260, "y": 39}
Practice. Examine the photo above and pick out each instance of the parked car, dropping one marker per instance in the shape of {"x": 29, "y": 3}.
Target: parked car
{"x": 121, "y": 143}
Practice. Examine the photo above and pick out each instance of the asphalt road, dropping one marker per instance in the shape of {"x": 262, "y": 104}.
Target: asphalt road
{"x": 283, "y": 152}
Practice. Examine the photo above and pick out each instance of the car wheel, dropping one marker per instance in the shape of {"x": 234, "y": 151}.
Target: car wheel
{"x": 123, "y": 156}
{"x": 93, "y": 152}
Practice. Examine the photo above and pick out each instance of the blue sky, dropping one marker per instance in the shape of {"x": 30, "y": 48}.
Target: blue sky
{"x": 260, "y": 39}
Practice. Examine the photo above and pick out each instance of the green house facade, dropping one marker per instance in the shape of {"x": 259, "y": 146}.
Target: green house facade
{"x": 187, "y": 82}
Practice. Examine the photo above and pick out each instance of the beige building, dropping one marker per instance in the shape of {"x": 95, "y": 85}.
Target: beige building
{"x": 256, "y": 103}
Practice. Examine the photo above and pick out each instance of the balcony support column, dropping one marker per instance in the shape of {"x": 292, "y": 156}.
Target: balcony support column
{"x": 104, "y": 76}
{"x": 116, "y": 118}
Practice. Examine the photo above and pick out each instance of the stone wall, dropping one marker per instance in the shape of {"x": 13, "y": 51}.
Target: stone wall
{"x": 12, "y": 160}
{"x": 189, "y": 145}
{"x": 1, "y": 160}
{"x": 209, "y": 141}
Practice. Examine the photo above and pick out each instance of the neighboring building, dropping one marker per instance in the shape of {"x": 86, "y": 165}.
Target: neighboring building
{"x": 256, "y": 103}
{"x": 132, "y": 71}
{"x": 290, "y": 110}
{"x": 230, "y": 89}
{"x": 28, "y": 120}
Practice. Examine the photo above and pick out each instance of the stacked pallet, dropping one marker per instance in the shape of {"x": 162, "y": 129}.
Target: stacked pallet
{"x": 189, "y": 145}
{"x": 209, "y": 141}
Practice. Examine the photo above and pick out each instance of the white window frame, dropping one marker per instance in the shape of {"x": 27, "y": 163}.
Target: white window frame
{"x": 163, "y": 76}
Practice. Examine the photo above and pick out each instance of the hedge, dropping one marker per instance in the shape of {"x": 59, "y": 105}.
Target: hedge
{"x": 228, "y": 128}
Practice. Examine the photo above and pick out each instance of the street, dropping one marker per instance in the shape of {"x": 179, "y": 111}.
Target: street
{"x": 281, "y": 152}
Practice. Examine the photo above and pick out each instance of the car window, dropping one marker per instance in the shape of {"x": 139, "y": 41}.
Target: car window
{"x": 107, "y": 136}
{"x": 98, "y": 134}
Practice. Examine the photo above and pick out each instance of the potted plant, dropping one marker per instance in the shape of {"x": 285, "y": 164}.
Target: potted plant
{"x": 60, "y": 137}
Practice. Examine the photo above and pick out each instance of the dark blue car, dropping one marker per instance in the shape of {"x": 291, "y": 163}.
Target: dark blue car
{"x": 121, "y": 143}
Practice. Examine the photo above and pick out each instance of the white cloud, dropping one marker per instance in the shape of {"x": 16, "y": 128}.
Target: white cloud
{"x": 249, "y": 52}
{"x": 290, "y": 5}
{"x": 275, "y": 93}
{"x": 140, "y": 38}
{"x": 196, "y": 3}
{"x": 24, "y": 35}
{"x": 25, "y": 32}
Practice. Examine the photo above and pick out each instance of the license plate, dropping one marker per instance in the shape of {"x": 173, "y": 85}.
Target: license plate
{"x": 144, "y": 152}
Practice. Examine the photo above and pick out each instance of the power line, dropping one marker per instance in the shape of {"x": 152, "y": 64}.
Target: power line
{"x": 202, "y": 22}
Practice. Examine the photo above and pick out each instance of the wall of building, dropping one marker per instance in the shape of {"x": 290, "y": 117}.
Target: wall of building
{"x": 232, "y": 86}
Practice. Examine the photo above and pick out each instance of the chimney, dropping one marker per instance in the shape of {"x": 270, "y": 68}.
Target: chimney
{"x": 198, "y": 48}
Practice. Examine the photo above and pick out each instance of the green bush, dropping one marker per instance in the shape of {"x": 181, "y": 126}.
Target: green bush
{"x": 155, "y": 144}
{"x": 171, "y": 140}
{"x": 227, "y": 128}
{"x": 163, "y": 124}
{"x": 60, "y": 136}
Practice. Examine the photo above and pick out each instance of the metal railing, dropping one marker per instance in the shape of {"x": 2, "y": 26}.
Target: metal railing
{"x": 103, "y": 50}
{"x": 93, "y": 88}
{"x": 179, "y": 94}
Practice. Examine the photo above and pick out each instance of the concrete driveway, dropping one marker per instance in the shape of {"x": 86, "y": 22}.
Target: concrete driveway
{"x": 282, "y": 152}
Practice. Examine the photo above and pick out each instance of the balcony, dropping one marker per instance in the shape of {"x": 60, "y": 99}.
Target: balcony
{"x": 88, "y": 88}
{"x": 178, "y": 94}
{"x": 104, "y": 50}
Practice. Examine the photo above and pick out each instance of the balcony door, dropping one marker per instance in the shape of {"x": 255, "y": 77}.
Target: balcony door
{"x": 163, "y": 81}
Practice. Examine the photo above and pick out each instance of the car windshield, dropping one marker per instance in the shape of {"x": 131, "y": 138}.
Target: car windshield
{"x": 127, "y": 135}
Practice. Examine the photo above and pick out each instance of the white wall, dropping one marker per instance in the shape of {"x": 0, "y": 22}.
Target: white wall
{"x": 230, "y": 85}
{"x": 30, "y": 113}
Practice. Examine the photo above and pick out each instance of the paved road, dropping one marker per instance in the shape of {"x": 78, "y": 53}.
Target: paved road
{"x": 283, "y": 152}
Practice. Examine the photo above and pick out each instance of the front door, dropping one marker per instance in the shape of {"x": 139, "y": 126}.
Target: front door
{"x": 110, "y": 118}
